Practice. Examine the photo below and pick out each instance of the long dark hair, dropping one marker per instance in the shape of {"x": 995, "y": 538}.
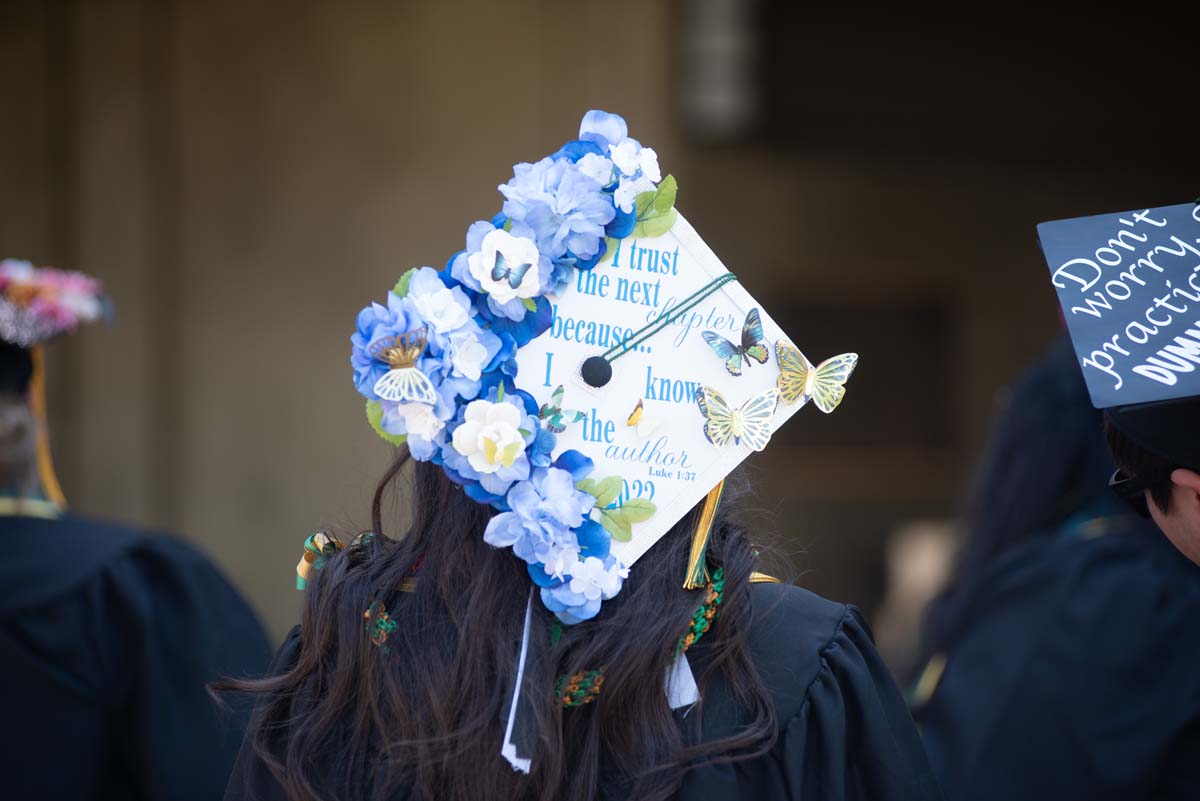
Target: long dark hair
{"x": 349, "y": 721}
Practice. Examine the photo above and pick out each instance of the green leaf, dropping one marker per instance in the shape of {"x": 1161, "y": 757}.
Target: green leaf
{"x": 524, "y": 433}
{"x": 587, "y": 485}
{"x": 500, "y": 392}
{"x": 656, "y": 226}
{"x": 657, "y": 202}
{"x": 375, "y": 418}
{"x": 530, "y": 304}
{"x": 608, "y": 490}
{"x": 401, "y": 287}
{"x": 616, "y": 525}
{"x": 635, "y": 510}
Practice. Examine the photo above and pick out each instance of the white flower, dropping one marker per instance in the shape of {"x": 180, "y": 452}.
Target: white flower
{"x": 441, "y": 310}
{"x": 649, "y": 163}
{"x": 630, "y": 157}
{"x": 591, "y": 579}
{"x": 489, "y": 437}
{"x": 560, "y": 563}
{"x": 596, "y": 167}
{"x": 625, "y": 194}
{"x": 626, "y": 156}
{"x": 419, "y": 420}
{"x": 467, "y": 354}
{"x": 502, "y": 260}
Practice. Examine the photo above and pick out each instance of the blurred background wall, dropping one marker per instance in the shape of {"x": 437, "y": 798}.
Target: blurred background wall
{"x": 245, "y": 176}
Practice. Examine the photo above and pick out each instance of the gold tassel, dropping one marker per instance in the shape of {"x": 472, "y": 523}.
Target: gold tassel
{"x": 697, "y": 567}
{"x": 37, "y": 401}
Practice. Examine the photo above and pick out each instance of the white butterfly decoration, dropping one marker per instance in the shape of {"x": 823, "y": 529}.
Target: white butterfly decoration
{"x": 750, "y": 424}
{"x": 404, "y": 383}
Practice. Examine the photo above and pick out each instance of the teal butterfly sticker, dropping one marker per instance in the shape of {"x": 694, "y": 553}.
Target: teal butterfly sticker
{"x": 502, "y": 271}
{"x": 752, "y": 346}
{"x": 555, "y": 416}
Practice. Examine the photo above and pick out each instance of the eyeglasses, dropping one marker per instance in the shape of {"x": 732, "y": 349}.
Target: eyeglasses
{"x": 1130, "y": 490}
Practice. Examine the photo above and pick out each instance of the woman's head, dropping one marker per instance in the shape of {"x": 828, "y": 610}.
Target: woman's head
{"x": 422, "y": 709}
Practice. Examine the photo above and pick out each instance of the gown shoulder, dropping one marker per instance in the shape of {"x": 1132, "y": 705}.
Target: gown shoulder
{"x": 844, "y": 729}
{"x": 1089, "y": 643}
{"x": 110, "y": 636}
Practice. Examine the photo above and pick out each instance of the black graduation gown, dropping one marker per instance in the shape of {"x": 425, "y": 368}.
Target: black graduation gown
{"x": 107, "y": 639}
{"x": 1078, "y": 676}
{"x": 845, "y": 732}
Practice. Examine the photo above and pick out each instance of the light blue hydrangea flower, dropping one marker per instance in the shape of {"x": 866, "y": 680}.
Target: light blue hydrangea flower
{"x": 545, "y": 509}
{"x": 566, "y": 209}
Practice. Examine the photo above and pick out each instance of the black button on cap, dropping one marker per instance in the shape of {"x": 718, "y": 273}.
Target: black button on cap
{"x": 596, "y": 371}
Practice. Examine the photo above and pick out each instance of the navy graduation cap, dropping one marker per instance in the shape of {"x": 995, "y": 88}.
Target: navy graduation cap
{"x": 1129, "y": 286}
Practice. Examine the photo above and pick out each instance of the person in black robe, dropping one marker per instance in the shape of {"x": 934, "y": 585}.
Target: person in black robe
{"x": 1062, "y": 660}
{"x": 108, "y": 635}
{"x": 839, "y": 726}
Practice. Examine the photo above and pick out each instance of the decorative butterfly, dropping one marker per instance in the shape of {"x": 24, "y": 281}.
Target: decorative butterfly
{"x": 825, "y": 384}
{"x": 751, "y": 424}
{"x": 752, "y": 346}
{"x": 514, "y": 275}
{"x": 639, "y": 422}
{"x": 557, "y": 418}
{"x": 404, "y": 383}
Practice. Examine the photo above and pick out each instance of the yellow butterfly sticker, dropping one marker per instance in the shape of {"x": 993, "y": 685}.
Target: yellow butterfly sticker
{"x": 825, "y": 383}
{"x": 750, "y": 424}
{"x": 641, "y": 422}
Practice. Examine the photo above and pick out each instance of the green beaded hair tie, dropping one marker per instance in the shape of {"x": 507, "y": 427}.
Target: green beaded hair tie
{"x": 584, "y": 687}
{"x": 379, "y": 625}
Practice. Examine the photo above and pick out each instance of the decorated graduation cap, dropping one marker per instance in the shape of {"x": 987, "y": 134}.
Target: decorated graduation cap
{"x": 1129, "y": 286}
{"x": 37, "y": 305}
{"x": 586, "y": 366}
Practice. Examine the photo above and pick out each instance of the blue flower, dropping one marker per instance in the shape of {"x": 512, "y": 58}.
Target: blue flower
{"x": 566, "y": 209}
{"x": 543, "y": 445}
{"x": 603, "y": 128}
{"x": 377, "y": 323}
{"x": 593, "y": 579}
{"x": 575, "y": 463}
{"x": 532, "y": 324}
{"x": 545, "y": 509}
{"x": 578, "y": 149}
{"x": 444, "y": 309}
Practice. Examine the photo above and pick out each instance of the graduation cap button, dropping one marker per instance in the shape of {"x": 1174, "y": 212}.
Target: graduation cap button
{"x": 596, "y": 371}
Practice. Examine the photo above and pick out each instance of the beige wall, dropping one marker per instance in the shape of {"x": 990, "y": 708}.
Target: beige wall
{"x": 244, "y": 178}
